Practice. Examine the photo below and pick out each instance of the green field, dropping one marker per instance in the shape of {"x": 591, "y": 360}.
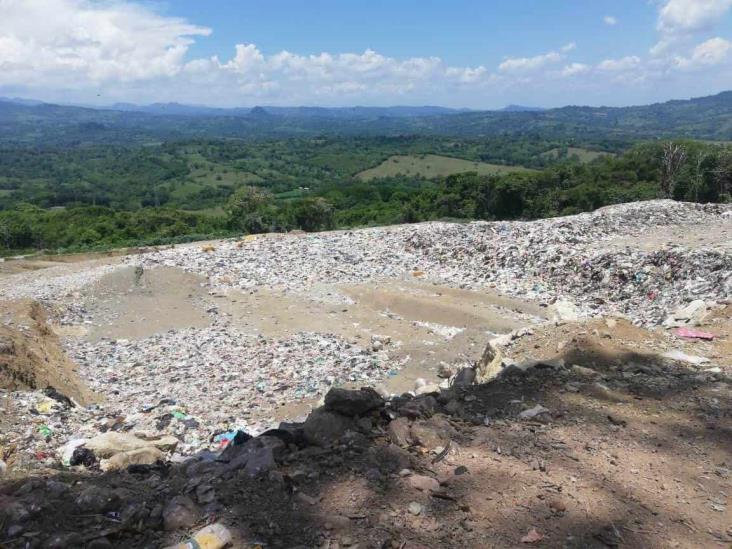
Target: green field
{"x": 432, "y": 166}
{"x": 584, "y": 155}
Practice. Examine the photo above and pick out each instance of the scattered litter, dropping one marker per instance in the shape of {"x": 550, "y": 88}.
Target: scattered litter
{"x": 694, "y": 334}
{"x": 683, "y": 357}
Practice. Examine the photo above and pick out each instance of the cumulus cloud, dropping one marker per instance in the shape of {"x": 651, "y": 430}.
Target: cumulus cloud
{"x": 623, "y": 64}
{"x": 574, "y": 69}
{"x": 528, "y": 64}
{"x": 77, "y": 42}
{"x": 712, "y": 52}
{"x": 691, "y": 15}
{"x": 610, "y": 20}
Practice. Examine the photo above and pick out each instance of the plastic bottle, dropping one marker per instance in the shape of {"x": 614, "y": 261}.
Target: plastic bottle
{"x": 213, "y": 536}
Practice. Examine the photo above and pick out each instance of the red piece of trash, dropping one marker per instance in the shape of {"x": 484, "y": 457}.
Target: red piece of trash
{"x": 694, "y": 334}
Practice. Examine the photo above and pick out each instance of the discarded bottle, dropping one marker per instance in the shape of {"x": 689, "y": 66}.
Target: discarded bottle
{"x": 213, "y": 536}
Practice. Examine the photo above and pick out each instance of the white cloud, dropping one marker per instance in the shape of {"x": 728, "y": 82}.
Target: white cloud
{"x": 712, "y": 52}
{"x": 617, "y": 65}
{"x": 691, "y": 15}
{"x": 528, "y": 64}
{"x": 78, "y": 42}
{"x": 610, "y": 20}
{"x": 574, "y": 69}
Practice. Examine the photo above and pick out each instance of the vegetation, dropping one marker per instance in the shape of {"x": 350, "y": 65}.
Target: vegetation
{"x": 701, "y": 118}
{"x": 688, "y": 170}
{"x": 431, "y": 166}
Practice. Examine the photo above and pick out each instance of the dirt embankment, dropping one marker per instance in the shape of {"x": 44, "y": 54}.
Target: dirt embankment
{"x": 31, "y": 356}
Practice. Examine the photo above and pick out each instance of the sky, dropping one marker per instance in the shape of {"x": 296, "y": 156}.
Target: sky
{"x": 457, "y": 53}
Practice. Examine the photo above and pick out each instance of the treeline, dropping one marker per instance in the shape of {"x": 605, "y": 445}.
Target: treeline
{"x": 199, "y": 174}
{"x": 682, "y": 170}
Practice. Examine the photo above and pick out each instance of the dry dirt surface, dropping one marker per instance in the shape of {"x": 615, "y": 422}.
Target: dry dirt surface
{"x": 601, "y": 427}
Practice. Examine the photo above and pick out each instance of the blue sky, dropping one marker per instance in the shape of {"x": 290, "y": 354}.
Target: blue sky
{"x": 460, "y": 53}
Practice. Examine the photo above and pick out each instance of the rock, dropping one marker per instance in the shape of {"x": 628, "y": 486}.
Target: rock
{"x": 56, "y": 488}
{"x": 415, "y": 508}
{"x": 389, "y": 459}
{"x": 489, "y": 365}
{"x": 460, "y": 470}
{"x": 429, "y": 388}
{"x": 323, "y": 427}
{"x": 423, "y": 483}
{"x": 598, "y": 390}
{"x": 96, "y": 499}
{"x": 398, "y": 432}
{"x": 110, "y": 443}
{"x": 3, "y": 468}
{"x": 584, "y": 373}
{"x": 444, "y": 371}
{"x": 531, "y": 413}
{"x": 337, "y": 522}
{"x": 422, "y": 406}
{"x": 99, "y": 543}
{"x": 353, "y": 403}
{"x": 180, "y": 513}
{"x": 563, "y": 311}
{"x": 261, "y": 461}
{"x": 464, "y": 378}
{"x": 140, "y": 456}
{"x": 433, "y": 432}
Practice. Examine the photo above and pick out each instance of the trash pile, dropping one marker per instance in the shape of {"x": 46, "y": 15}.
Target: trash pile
{"x": 194, "y": 383}
{"x": 543, "y": 260}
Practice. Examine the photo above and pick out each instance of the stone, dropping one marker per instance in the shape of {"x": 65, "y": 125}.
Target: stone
{"x": 110, "y": 443}
{"x": 139, "y": 456}
{"x": 3, "y": 468}
{"x": 531, "y": 413}
{"x": 99, "y": 543}
{"x": 96, "y": 499}
{"x": 423, "y": 483}
{"x": 584, "y": 373}
{"x": 398, "y": 432}
{"x": 460, "y": 470}
{"x": 563, "y": 311}
{"x": 180, "y": 513}
{"x": 323, "y": 427}
{"x": 489, "y": 365}
{"x": 422, "y": 406}
{"x": 464, "y": 378}
{"x": 427, "y": 389}
{"x": 444, "y": 371}
{"x": 415, "y": 508}
{"x": 260, "y": 461}
{"x": 433, "y": 432}
{"x": 353, "y": 403}
{"x": 389, "y": 459}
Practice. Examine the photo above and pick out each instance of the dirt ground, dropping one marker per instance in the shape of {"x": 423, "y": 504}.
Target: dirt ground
{"x": 634, "y": 451}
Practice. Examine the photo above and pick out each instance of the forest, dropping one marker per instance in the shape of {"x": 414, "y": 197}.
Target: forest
{"x": 85, "y": 198}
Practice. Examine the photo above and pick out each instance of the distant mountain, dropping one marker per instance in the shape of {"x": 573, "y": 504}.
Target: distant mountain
{"x": 300, "y": 112}
{"x": 521, "y": 108}
{"x": 46, "y": 124}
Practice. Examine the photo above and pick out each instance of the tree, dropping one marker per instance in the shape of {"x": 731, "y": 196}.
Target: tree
{"x": 312, "y": 214}
{"x": 673, "y": 158}
{"x": 252, "y": 210}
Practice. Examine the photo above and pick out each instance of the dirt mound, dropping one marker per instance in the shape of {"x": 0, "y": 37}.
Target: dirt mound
{"x": 31, "y": 356}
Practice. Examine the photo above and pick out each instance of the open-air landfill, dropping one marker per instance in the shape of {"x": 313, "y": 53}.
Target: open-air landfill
{"x": 653, "y": 273}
